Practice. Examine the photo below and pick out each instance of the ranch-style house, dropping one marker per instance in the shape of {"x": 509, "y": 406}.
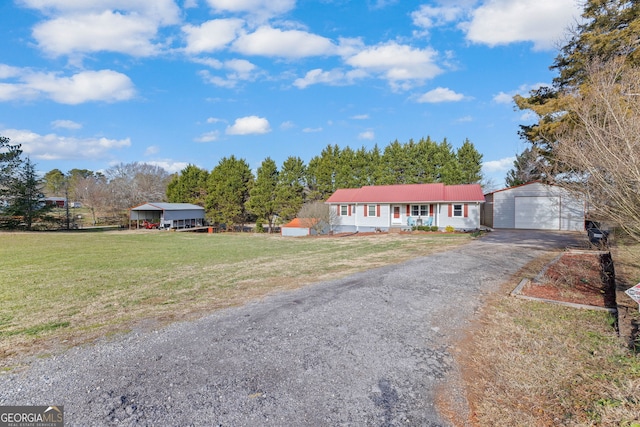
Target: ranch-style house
{"x": 389, "y": 207}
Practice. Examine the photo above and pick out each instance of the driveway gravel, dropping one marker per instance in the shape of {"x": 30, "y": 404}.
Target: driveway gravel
{"x": 368, "y": 349}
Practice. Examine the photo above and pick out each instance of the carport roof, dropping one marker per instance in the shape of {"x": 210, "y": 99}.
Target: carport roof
{"x": 161, "y": 206}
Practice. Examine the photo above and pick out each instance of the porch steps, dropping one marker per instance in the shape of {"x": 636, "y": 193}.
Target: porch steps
{"x": 395, "y": 229}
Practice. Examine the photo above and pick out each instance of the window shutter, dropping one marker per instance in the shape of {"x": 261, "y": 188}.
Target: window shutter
{"x": 338, "y": 209}
{"x": 430, "y": 210}
{"x": 349, "y": 210}
{"x": 378, "y": 210}
{"x": 450, "y": 211}
{"x": 408, "y": 210}
{"x": 365, "y": 210}
{"x": 466, "y": 210}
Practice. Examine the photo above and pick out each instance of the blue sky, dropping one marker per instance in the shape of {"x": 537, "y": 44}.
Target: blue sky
{"x": 88, "y": 84}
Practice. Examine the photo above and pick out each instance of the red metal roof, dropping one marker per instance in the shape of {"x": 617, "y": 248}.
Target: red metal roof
{"x": 294, "y": 223}
{"x": 409, "y": 193}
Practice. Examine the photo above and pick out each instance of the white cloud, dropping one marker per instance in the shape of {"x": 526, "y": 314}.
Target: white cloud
{"x": 401, "y": 65}
{"x": 312, "y": 130}
{"x": 65, "y": 124}
{"x": 503, "y": 98}
{"x": 103, "y": 85}
{"x": 501, "y": 165}
{"x": 464, "y": 119}
{"x": 125, "y": 26}
{"x": 360, "y": 117}
{"x": 528, "y": 116}
{"x": 7, "y": 71}
{"x": 163, "y": 11}
{"x": 211, "y": 35}
{"x": 335, "y": 77}
{"x": 287, "y": 125}
{"x": 249, "y": 125}
{"x": 169, "y": 165}
{"x": 542, "y": 22}
{"x": 208, "y": 137}
{"x": 214, "y": 120}
{"x": 152, "y": 150}
{"x": 428, "y": 17}
{"x": 265, "y": 8}
{"x": 56, "y": 147}
{"x": 368, "y": 135}
{"x": 269, "y": 41}
{"x": 107, "y": 31}
{"x": 237, "y": 70}
{"x": 440, "y": 94}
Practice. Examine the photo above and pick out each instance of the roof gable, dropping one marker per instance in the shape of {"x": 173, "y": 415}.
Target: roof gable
{"x": 409, "y": 193}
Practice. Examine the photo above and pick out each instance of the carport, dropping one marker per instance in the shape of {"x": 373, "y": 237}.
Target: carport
{"x": 534, "y": 206}
{"x": 167, "y": 215}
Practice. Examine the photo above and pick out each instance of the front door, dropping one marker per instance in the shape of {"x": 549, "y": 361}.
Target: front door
{"x": 396, "y": 214}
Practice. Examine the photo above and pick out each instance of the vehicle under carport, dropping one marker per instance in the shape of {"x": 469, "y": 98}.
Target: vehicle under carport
{"x": 167, "y": 215}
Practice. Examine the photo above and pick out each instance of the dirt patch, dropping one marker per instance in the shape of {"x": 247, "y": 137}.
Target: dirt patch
{"x": 585, "y": 278}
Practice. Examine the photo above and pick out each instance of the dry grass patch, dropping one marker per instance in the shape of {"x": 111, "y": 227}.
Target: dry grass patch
{"x": 60, "y": 289}
{"x": 536, "y": 364}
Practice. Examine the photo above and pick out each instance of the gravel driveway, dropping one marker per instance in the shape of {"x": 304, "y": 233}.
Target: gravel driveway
{"x": 369, "y": 349}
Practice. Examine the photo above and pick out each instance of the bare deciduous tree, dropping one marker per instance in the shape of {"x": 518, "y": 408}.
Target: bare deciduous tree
{"x": 136, "y": 183}
{"x": 600, "y": 144}
{"x": 93, "y": 193}
{"x": 317, "y": 216}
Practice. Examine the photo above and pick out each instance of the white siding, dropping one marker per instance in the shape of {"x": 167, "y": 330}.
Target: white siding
{"x": 470, "y": 222}
{"x": 294, "y": 231}
{"x": 535, "y": 205}
{"x": 537, "y": 212}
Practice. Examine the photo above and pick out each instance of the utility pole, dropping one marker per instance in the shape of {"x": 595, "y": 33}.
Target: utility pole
{"x": 66, "y": 202}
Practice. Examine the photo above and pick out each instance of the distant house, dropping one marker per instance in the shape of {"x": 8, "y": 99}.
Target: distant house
{"x": 387, "y": 207}
{"x": 534, "y": 206}
{"x": 167, "y": 215}
{"x": 58, "y": 202}
{"x": 299, "y": 227}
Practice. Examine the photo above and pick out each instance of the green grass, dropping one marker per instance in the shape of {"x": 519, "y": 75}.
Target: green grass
{"x": 79, "y": 286}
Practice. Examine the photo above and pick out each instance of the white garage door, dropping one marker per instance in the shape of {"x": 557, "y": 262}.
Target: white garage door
{"x": 538, "y": 213}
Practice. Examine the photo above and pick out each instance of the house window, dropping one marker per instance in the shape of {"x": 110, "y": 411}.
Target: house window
{"x": 372, "y": 210}
{"x": 457, "y": 210}
{"x": 419, "y": 210}
{"x": 343, "y": 210}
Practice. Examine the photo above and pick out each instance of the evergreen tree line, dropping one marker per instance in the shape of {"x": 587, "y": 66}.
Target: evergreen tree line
{"x": 20, "y": 195}
{"x": 232, "y": 195}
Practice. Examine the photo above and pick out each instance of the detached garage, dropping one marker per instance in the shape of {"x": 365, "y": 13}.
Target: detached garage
{"x": 534, "y": 206}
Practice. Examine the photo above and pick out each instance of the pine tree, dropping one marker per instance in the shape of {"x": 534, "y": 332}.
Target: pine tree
{"x": 26, "y": 195}
{"x": 290, "y": 188}
{"x": 262, "y": 196}
{"x": 470, "y": 161}
{"x": 189, "y": 186}
{"x": 228, "y": 189}
{"x": 527, "y": 167}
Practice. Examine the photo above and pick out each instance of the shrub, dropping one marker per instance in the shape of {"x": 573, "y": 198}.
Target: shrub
{"x": 434, "y": 228}
{"x": 449, "y": 229}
